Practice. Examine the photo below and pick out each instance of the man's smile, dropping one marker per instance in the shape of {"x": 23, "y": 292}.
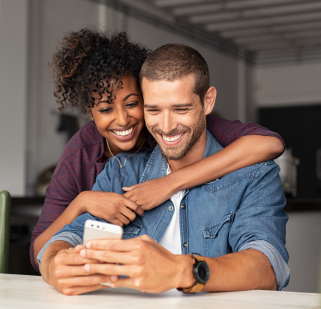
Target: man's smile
{"x": 172, "y": 140}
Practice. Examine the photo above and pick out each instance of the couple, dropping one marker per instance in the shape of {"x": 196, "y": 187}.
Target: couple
{"x": 235, "y": 223}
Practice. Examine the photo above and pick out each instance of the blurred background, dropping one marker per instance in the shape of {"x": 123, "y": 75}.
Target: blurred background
{"x": 264, "y": 58}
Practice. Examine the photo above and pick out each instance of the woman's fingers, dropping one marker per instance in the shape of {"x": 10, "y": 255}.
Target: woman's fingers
{"x": 133, "y": 206}
{"x": 123, "y": 219}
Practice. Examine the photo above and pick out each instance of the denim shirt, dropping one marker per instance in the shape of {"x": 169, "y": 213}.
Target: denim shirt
{"x": 241, "y": 210}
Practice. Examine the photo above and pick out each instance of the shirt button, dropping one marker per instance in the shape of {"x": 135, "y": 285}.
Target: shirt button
{"x": 185, "y": 244}
{"x": 183, "y": 206}
{"x": 170, "y": 208}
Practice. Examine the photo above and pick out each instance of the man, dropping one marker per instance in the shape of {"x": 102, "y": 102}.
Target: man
{"x": 236, "y": 224}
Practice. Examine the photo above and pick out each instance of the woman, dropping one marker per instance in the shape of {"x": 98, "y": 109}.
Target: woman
{"x": 98, "y": 74}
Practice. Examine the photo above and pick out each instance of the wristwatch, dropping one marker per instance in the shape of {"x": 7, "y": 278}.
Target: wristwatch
{"x": 201, "y": 274}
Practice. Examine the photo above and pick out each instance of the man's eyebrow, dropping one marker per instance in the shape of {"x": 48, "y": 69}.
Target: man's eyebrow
{"x": 183, "y": 105}
{"x": 127, "y": 96}
{"x": 174, "y": 105}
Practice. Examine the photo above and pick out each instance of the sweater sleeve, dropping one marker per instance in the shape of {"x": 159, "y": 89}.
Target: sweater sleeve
{"x": 226, "y": 131}
{"x": 60, "y": 193}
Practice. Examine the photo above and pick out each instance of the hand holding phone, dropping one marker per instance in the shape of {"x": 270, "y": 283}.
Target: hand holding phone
{"x": 100, "y": 230}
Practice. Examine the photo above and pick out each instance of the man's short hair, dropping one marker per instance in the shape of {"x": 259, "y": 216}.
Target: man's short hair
{"x": 174, "y": 61}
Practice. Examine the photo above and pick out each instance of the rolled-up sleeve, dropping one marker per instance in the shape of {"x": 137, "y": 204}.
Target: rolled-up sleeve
{"x": 280, "y": 268}
{"x": 260, "y": 217}
{"x": 70, "y": 233}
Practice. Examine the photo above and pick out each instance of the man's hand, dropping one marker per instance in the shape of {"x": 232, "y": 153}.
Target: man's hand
{"x": 65, "y": 270}
{"x": 151, "y": 193}
{"x": 149, "y": 266}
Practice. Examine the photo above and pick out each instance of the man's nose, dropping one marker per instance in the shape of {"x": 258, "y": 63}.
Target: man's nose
{"x": 167, "y": 124}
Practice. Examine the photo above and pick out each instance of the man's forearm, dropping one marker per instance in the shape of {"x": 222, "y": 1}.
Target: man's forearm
{"x": 48, "y": 255}
{"x": 245, "y": 270}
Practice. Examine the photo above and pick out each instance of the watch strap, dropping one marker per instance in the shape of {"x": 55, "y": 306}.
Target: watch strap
{"x": 197, "y": 287}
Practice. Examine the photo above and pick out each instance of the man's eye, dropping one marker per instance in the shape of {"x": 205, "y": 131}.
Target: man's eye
{"x": 152, "y": 110}
{"x": 182, "y": 109}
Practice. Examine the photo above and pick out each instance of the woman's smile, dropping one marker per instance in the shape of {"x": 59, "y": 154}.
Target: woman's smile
{"x": 124, "y": 134}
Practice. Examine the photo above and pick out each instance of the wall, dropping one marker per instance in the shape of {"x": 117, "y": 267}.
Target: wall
{"x": 303, "y": 241}
{"x": 13, "y": 95}
{"x": 288, "y": 85}
{"x": 49, "y": 20}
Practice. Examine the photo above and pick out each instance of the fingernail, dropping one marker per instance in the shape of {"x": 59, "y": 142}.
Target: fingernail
{"x": 114, "y": 278}
{"x": 113, "y": 285}
{"x": 83, "y": 253}
{"x": 106, "y": 283}
{"x": 87, "y": 267}
{"x": 88, "y": 245}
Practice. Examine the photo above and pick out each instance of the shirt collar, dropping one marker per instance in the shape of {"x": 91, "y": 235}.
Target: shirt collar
{"x": 157, "y": 165}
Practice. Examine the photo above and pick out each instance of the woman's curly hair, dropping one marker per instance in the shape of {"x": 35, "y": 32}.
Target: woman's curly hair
{"x": 91, "y": 61}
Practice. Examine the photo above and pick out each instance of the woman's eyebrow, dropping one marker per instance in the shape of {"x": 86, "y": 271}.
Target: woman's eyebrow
{"x": 104, "y": 101}
{"x": 127, "y": 96}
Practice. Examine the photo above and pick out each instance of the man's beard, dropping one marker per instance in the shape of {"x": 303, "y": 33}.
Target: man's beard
{"x": 169, "y": 152}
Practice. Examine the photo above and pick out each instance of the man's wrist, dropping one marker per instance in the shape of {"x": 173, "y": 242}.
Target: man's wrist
{"x": 185, "y": 277}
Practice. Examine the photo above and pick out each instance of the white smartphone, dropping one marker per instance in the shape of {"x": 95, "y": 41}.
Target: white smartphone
{"x": 99, "y": 230}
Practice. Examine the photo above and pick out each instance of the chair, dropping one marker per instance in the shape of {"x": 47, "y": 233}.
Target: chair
{"x": 5, "y": 203}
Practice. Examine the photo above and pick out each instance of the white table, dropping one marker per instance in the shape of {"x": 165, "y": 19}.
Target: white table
{"x": 20, "y": 291}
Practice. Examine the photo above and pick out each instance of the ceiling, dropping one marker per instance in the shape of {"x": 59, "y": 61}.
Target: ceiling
{"x": 270, "y": 30}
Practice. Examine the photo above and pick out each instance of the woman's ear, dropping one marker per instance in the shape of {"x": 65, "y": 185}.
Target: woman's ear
{"x": 90, "y": 113}
{"x": 209, "y": 100}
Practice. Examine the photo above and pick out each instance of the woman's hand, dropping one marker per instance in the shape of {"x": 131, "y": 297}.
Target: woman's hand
{"x": 151, "y": 193}
{"x": 112, "y": 207}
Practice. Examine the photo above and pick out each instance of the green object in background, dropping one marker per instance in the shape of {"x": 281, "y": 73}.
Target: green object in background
{"x": 5, "y": 205}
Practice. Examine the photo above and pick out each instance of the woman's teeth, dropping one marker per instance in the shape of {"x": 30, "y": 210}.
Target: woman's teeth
{"x": 172, "y": 138}
{"x": 124, "y": 133}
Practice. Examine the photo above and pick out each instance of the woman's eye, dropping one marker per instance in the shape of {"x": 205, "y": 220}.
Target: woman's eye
{"x": 106, "y": 110}
{"x": 132, "y": 104}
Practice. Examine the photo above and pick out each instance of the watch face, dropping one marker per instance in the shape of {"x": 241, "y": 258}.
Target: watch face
{"x": 203, "y": 272}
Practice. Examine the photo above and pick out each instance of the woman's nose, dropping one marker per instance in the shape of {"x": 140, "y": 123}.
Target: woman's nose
{"x": 122, "y": 118}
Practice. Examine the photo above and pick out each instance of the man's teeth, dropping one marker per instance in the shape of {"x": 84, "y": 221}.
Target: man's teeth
{"x": 124, "y": 133}
{"x": 172, "y": 138}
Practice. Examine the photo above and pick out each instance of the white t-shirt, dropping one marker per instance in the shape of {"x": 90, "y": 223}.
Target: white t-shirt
{"x": 172, "y": 237}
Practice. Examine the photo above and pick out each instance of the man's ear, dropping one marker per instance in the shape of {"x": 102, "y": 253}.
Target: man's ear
{"x": 209, "y": 100}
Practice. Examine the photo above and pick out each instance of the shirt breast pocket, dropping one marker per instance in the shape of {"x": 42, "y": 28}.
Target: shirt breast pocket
{"x": 132, "y": 230}
{"x": 216, "y": 237}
